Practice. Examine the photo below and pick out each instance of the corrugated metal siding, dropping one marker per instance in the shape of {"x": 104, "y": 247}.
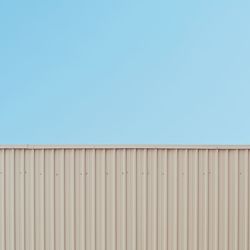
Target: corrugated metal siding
{"x": 124, "y": 198}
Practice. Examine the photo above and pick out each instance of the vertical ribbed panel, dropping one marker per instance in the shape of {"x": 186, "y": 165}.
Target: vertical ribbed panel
{"x": 213, "y": 209}
{"x": 223, "y": 200}
{"x": 30, "y": 200}
{"x": 142, "y": 190}
{"x": 193, "y": 195}
{"x": 19, "y": 200}
{"x": 124, "y": 198}
{"x": 162, "y": 197}
{"x": 59, "y": 199}
{"x": 131, "y": 199}
{"x": 233, "y": 199}
{"x": 173, "y": 199}
{"x": 2, "y": 200}
{"x": 182, "y": 199}
{"x": 90, "y": 199}
{"x": 111, "y": 192}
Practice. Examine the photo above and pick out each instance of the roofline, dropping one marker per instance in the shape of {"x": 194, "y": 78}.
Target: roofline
{"x": 125, "y": 146}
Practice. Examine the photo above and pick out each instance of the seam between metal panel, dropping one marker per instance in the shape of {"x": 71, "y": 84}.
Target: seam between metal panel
{"x": 126, "y": 204}
{"x": 187, "y": 155}
{"x": 44, "y": 199}
{"x": 157, "y": 191}
{"x": 218, "y": 204}
{"x": 14, "y": 190}
{"x": 4, "y": 162}
{"x": 85, "y": 206}
{"x": 54, "y": 191}
{"x": 136, "y": 195}
{"x": 105, "y": 200}
{"x": 34, "y": 192}
{"x": 166, "y": 159}
{"x": 115, "y": 163}
{"x": 207, "y": 194}
{"x": 64, "y": 191}
{"x": 248, "y": 215}
{"x": 228, "y": 201}
{"x": 24, "y": 200}
{"x": 177, "y": 199}
{"x": 95, "y": 190}
{"x": 248, "y": 210}
{"x": 146, "y": 158}
{"x": 74, "y": 197}
{"x": 238, "y": 196}
{"x": 136, "y": 189}
{"x": 198, "y": 194}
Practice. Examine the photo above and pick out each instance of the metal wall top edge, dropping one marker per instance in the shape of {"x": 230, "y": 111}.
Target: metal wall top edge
{"x": 122, "y": 146}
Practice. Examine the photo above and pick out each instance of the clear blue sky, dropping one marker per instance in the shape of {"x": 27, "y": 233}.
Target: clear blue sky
{"x": 125, "y": 71}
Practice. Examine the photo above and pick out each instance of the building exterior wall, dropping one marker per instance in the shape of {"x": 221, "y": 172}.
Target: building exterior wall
{"x": 124, "y": 197}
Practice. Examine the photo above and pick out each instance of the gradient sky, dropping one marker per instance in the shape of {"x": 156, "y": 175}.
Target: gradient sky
{"x": 125, "y": 72}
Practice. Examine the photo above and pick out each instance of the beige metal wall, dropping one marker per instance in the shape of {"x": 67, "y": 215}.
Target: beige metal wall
{"x": 133, "y": 198}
